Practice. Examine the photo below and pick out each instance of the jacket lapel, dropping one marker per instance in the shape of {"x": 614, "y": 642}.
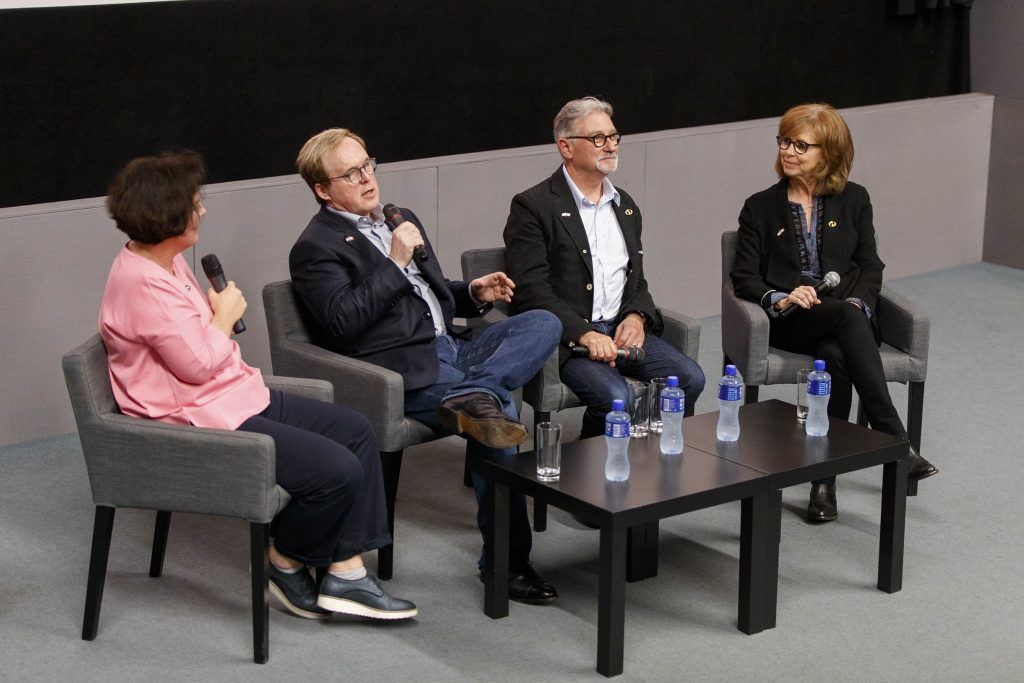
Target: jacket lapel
{"x": 349, "y": 236}
{"x": 569, "y": 217}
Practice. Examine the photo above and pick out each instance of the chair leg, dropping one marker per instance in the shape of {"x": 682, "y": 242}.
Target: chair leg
{"x": 915, "y": 408}
{"x": 726, "y": 361}
{"x": 391, "y": 464}
{"x": 542, "y": 416}
{"x": 750, "y": 395}
{"x": 103, "y": 527}
{"x": 163, "y": 525}
{"x": 259, "y": 539}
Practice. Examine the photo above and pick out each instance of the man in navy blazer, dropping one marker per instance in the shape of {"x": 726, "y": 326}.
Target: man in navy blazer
{"x": 376, "y": 292}
{"x": 573, "y": 246}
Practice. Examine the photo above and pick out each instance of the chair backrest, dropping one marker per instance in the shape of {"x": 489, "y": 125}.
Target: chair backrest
{"x": 284, "y": 318}
{"x": 477, "y": 262}
{"x": 88, "y": 379}
{"x": 728, "y": 255}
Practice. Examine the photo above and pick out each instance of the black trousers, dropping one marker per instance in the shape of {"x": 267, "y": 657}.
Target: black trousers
{"x": 328, "y": 461}
{"x": 840, "y": 334}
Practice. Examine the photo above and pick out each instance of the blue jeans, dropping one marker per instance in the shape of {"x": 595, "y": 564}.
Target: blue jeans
{"x": 498, "y": 360}
{"x": 598, "y": 384}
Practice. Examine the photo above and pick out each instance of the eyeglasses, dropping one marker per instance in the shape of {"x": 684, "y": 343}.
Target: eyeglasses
{"x": 598, "y": 139}
{"x": 356, "y": 174}
{"x": 800, "y": 146}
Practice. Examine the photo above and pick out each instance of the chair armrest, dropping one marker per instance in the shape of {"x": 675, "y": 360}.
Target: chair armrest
{"x": 318, "y": 389}
{"x": 135, "y": 462}
{"x": 904, "y": 326}
{"x": 745, "y": 336}
{"x": 376, "y": 392}
{"x": 682, "y": 332}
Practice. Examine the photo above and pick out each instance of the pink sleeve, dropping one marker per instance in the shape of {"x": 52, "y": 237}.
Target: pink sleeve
{"x": 190, "y": 347}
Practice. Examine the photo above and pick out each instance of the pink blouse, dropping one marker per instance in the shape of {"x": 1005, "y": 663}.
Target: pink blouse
{"x": 167, "y": 362}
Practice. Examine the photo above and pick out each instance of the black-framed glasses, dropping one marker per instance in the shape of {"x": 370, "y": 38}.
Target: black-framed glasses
{"x": 598, "y": 140}
{"x": 356, "y": 174}
{"x": 800, "y": 146}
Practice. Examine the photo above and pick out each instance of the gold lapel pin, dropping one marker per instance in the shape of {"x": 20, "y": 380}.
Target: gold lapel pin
{"x": 629, "y": 212}
{"x": 832, "y": 224}
{"x": 779, "y": 233}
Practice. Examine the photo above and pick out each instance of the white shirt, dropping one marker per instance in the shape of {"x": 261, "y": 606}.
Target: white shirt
{"x": 607, "y": 248}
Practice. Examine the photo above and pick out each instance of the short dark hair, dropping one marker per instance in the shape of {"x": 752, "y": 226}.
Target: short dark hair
{"x": 152, "y": 198}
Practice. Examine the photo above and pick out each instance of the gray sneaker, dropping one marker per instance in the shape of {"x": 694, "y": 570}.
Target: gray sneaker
{"x": 364, "y": 597}
{"x": 297, "y": 592}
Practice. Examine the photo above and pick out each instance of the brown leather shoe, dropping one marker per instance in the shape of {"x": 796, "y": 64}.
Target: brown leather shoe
{"x": 479, "y": 415}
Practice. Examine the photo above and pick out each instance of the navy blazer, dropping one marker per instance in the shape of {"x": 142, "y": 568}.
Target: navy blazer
{"x": 361, "y": 304}
{"x": 548, "y": 256}
{"x": 767, "y": 256}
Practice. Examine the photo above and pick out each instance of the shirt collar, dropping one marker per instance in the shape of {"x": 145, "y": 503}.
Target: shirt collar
{"x": 374, "y": 220}
{"x": 608, "y": 191}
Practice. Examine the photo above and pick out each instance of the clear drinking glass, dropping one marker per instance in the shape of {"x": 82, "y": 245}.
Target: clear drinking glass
{"x": 548, "y": 447}
{"x": 654, "y": 419}
{"x": 639, "y": 414}
{"x": 801, "y": 394}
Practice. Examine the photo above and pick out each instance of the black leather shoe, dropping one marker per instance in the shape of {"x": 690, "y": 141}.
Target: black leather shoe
{"x": 526, "y": 586}
{"x": 363, "y": 597}
{"x": 822, "y": 507}
{"x": 479, "y": 415}
{"x": 297, "y": 592}
{"x": 918, "y": 467}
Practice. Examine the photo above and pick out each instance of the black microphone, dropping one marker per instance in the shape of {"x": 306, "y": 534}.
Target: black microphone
{"x": 633, "y": 353}
{"x": 830, "y": 280}
{"x": 215, "y": 273}
{"x": 393, "y": 217}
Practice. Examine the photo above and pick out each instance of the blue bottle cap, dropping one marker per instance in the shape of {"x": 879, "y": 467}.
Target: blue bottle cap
{"x": 673, "y": 381}
{"x": 730, "y": 370}
{"x": 618, "y": 404}
{"x": 819, "y": 365}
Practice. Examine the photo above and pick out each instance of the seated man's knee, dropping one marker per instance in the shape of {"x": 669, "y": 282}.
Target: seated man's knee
{"x": 542, "y": 325}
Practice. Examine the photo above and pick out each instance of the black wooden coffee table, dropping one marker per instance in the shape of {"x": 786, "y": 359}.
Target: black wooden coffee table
{"x": 773, "y": 442}
{"x": 659, "y": 486}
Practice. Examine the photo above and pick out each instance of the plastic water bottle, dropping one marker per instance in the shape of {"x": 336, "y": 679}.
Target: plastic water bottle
{"x": 672, "y": 403}
{"x": 819, "y": 388}
{"x": 616, "y": 436}
{"x": 730, "y": 396}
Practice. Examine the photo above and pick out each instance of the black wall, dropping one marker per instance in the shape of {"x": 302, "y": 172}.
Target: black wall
{"x": 246, "y": 82}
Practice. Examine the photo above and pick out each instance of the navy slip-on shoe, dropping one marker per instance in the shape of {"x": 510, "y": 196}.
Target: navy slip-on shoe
{"x": 363, "y": 597}
{"x": 297, "y": 592}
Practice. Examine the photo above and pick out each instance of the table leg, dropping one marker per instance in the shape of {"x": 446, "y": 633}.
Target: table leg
{"x": 642, "y": 551}
{"x": 757, "y": 548}
{"x": 611, "y": 606}
{"x": 496, "y": 546}
{"x": 771, "y": 588}
{"x": 894, "y": 518}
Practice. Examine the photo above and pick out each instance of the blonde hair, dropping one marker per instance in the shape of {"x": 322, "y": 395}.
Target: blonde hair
{"x": 833, "y": 139}
{"x": 310, "y": 161}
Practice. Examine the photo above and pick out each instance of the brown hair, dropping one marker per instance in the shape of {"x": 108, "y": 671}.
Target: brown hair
{"x": 833, "y": 138}
{"x": 152, "y": 198}
{"x": 310, "y": 161}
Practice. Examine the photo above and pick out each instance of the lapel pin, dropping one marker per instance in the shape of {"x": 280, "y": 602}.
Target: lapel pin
{"x": 832, "y": 224}
{"x": 779, "y": 233}
{"x": 629, "y": 212}
{"x": 566, "y": 215}
{"x": 349, "y": 238}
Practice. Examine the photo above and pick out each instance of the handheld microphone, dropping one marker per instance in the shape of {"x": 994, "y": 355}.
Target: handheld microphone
{"x": 633, "y": 353}
{"x": 215, "y": 273}
{"x": 830, "y": 280}
{"x": 394, "y": 218}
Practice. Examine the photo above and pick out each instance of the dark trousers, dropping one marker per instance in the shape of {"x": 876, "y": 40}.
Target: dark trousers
{"x": 328, "y": 461}
{"x": 840, "y": 334}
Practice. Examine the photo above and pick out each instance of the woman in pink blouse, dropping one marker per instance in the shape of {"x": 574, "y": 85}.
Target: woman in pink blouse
{"x": 172, "y": 359}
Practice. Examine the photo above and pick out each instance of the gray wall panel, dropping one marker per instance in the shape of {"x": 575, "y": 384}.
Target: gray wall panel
{"x": 997, "y": 62}
{"x": 925, "y": 163}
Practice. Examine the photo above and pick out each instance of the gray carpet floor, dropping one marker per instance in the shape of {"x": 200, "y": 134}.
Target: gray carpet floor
{"x": 958, "y": 617}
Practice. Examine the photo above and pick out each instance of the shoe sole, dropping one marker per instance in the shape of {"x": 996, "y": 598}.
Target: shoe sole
{"x": 292, "y": 607}
{"x": 924, "y": 476}
{"x": 491, "y": 432}
{"x": 533, "y": 601}
{"x": 822, "y": 520}
{"x": 343, "y": 606}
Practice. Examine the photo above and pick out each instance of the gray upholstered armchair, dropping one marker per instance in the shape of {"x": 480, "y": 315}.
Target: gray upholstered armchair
{"x": 546, "y": 392}
{"x": 376, "y": 392}
{"x": 153, "y": 465}
{"x": 905, "y": 330}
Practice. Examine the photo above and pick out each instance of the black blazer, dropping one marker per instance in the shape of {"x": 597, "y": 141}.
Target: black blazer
{"x": 548, "y": 256}
{"x": 362, "y": 305}
{"x": 767, "y": 256}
